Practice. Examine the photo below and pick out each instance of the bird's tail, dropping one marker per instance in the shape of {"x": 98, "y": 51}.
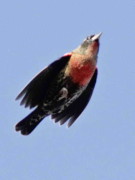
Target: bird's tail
{"x": 28, "y": 124}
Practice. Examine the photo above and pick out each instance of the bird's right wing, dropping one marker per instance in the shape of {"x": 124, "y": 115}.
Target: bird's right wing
{"x": 74, "y": 110}
{"x": 35, "y": 91}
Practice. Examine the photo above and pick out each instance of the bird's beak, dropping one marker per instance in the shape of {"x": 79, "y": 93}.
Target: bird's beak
{"x": 96, "y": 36}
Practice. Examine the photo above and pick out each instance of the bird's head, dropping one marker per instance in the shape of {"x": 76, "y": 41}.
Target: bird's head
{"x": 90, "y": 46}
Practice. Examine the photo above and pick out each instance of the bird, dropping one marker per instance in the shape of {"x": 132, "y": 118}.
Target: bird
{"x": 63, "y": 89}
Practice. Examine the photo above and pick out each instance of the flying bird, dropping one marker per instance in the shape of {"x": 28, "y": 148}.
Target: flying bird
{"x": 63, "y": 89}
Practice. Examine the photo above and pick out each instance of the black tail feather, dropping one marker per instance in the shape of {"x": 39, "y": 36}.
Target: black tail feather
{"x": 29, "y": 123}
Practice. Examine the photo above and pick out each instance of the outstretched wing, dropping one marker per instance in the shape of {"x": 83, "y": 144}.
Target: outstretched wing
{"x": 76, "y": 108}
{"x": 35, "y": 91}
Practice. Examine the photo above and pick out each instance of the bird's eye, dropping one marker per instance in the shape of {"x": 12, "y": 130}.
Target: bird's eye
{"x": 88, "y": 38}
{"x": 91, "y": 36}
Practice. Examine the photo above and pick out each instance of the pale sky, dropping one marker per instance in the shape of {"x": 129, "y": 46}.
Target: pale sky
{"x": 101, "y": 143}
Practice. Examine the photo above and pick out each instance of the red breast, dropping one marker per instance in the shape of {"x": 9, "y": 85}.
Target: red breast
{"x": 80, "y": 69}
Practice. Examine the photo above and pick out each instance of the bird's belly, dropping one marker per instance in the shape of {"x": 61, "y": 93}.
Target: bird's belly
{"x": 60, "y": 97}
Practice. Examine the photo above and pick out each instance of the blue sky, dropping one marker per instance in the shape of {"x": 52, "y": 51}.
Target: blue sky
{"x": 101, "y": 143}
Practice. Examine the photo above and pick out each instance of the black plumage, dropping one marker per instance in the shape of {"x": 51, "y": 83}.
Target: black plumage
{"x": 63, "y": 89}
{"x": 44, "y": 89}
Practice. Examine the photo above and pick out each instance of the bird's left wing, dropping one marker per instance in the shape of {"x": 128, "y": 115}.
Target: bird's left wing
{"x": 72, "y": 112}
{"x": 35, "y": 91}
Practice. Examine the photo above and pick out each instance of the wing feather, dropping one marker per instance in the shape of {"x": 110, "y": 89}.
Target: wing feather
{"x": 72, "y": 112}
{"x": 33, "y": 94}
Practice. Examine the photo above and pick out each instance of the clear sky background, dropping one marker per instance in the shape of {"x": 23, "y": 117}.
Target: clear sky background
{"x": 101, "y": 143}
